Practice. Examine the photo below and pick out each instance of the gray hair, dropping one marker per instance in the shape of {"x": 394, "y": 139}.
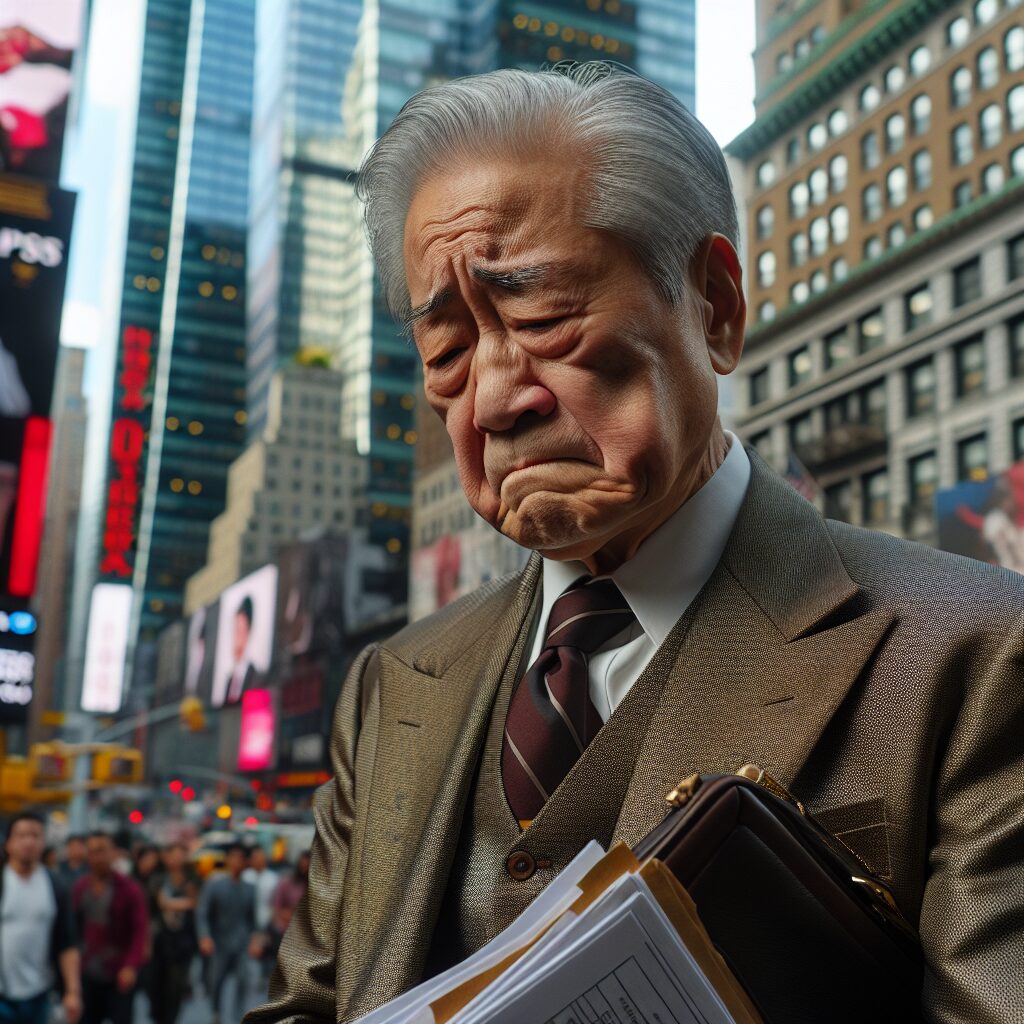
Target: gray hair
{"x": 657, "y": 178}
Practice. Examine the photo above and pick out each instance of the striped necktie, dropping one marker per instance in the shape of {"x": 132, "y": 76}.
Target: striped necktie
{"x": 551, "y": 718}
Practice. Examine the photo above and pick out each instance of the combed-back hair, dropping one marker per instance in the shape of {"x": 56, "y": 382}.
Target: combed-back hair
{"x": 656, "y": 178}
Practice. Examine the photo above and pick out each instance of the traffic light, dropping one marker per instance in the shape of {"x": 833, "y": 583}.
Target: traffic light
{"x": 191, "y": 715}
{"x": 117, "y": 766}
{"x": 50, "y": 762}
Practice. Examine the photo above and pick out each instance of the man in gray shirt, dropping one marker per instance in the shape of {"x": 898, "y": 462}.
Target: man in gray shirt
{"x": 36, "y": 931}
{"x": 226, "y": 924}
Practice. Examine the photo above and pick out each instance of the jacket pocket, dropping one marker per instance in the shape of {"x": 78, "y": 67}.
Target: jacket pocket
{"x": 863, "y": 827}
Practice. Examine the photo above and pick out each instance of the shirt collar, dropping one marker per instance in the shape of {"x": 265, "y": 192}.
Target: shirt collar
{"x": 674, "y": 563}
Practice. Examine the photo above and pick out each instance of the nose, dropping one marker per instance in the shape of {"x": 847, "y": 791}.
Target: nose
{"x": 505, "y": 388}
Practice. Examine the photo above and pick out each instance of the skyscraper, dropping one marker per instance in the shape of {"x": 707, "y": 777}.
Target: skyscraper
{"x": 884, "y": 173}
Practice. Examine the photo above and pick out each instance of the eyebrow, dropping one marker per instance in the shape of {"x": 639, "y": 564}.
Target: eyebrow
{"x": 428, "y": 308}
{"x": 515, "y": 280}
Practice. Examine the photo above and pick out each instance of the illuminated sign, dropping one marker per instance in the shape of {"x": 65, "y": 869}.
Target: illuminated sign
{"x": 106, "y": 645}
{"x": 256, "y": 740}
{"x": 17, "y": 664}
{"x": 127, "y": 447}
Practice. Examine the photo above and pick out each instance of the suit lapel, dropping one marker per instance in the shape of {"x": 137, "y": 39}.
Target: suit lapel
{"x": 780, "y": 634}
{"x": 433, "y": 722}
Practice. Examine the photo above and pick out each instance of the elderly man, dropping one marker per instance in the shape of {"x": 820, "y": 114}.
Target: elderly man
{"x": 562, "y": 246}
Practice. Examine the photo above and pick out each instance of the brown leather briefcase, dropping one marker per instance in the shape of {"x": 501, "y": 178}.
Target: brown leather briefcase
{"x": 804, "y": 926}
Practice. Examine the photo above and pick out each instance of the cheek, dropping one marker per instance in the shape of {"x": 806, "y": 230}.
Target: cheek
{"x": 468, "y": 446}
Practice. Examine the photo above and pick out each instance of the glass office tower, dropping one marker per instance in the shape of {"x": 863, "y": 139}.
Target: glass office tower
{"x": 180, "y": 385}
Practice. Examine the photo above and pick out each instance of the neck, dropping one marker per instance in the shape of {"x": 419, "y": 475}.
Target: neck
{"x": 24, "y": 868}
{"x": 624, "y": 545}
{"x": 100, "y": 876}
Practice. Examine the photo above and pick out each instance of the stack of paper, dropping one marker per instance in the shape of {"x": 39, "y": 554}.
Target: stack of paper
{"x": 609, "y": 941}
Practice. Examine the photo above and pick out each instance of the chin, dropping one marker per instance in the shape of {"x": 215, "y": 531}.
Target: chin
{"x": 545, "y": 523}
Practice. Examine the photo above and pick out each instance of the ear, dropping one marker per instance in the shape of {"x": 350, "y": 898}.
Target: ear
{"x": 719, "y": 281}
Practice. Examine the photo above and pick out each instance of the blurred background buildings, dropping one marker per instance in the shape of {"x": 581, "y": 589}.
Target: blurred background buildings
{"x": 259, "y": 490}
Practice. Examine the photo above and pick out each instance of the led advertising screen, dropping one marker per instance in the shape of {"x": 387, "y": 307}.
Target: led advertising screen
{"x": 311, "y": 596}
{"x": 106, "y": 644}
{"x": 256, "y": 736}
{"x": 35, "y": 227}
{"x": 245, "y": 636}
{"x": 38, "y": 40}
{"x": 200, "y": 651}
{"x": 985, "y": 519}
{"x": 17, "y": 663}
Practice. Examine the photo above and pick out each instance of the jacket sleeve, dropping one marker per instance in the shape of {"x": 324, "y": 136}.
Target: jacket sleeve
{"x": 137, "y": 952}
{"x": 302, "y": 990}
{"x": 64, "y": 932}
{"x": 203, "y": 908}
{"x": 972, "y": 917}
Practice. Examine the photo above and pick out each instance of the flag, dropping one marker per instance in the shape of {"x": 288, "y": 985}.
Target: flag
{"x": 798, "y": 477}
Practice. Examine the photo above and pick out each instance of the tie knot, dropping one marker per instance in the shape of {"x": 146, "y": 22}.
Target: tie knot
{"x": 587, "y": 614}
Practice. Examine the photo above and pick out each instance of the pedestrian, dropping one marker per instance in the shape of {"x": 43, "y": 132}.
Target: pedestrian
{"x": 37, "y": 936}
{"x": 174, "y": 940}
{"x": 114, "y": 925}
{"x": 289, "y": 891}
{"x": 74, "y": 865}
{"x": 264, "y": 881}
{"x": 226, "y": 924}
{"x": 146, "y": 871}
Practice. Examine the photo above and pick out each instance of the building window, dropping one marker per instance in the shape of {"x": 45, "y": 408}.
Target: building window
{"x": 1016, "y": 328}
{"x": 967, "y": 282}
{"x": 799, "y": 363}
{"x": 801, "y": 430}
{"x": 1015, "y": 258}
{"x": 962, "y": 194}
{"x": 817, "y": 137}
{"x": 839, "y": 269}
{"x": 921, "y": 388}
{"x": 1013, "y": 48}
{"x": 990, "y": 126}
{"x": 894, "y": 78}
{"x": 838, "y": 349}
{"x": 838, "y": 122}
{"x": 819, "y": 281}
{"x": 766, "y": 269}
{"x": 818, "y": 182}
{"x": 921, "y": 169}
{"x": 839, "y": 501}
{"x": 871, "y": 331}
{"x": 766, "y": 311}
{"x": 923, "y": 471}
{"x": 875, "y": 493}
{"x": 872, "y": 203}
{"x": 923, "y": 218}
{"x": 802, "y": 48}
{"x": 985, "y": 11}
{"x": 1017, "y": 162}
{"x": 762, "y": 444}
{"x": 969, "y": 357}
{"x": 799, "y": 197}
{"x": 759, "y": 389}
{"x": 765, "y": 173}
{"x": 1015, "y": 108}
{"x": 792, "y": 151}
{"x": 765, "y": 222}
{"x": 869, "y": 98}
{"x": 870, "y": 154}
{"x": 1018, "y": 439}
{"x": 963, "y": 147}
{"x": 920, "y": 114}
{"x": 841, "y": 411}
{"x": 917, "y": 307}
{"x": 972, "y": 458}
{"x": 798, "y": 249}
{"x": 957, "y": 31}
{"x": 783, "y": 62}
{"x": 838, "y": 172}
{"x": 872, "y": 247}
{"x": 819, "y": 236}
{"x": 896, "y": 186}
{"x": 872, "y": 404}
{"x": 992, "y": 178}
{"x": 920, "y": 60}
{"x": 895, "y": 133}
{"x": 896, "y": 235}
{"x": 839, "y": 220}
{"x": 960, "y": 87}
{"x": 799, "y": 292}
{"x": 988, "y": 68}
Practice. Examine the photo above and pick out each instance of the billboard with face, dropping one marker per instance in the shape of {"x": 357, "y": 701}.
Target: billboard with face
{"x": 245, "y": 636}
{"x": 38, "y": 40}
{"x": 985, "y": 519}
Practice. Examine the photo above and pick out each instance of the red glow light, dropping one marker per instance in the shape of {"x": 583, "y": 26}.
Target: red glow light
{"x": 250, "y": 821}
{"x": 175, "y": 785}
{"x": 188, "y": 793}
{"x": 30, "y": 508}
{"x": 136, "y": 817}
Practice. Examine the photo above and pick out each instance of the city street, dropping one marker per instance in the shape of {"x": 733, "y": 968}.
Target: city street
{"x": 197, "y": 1010}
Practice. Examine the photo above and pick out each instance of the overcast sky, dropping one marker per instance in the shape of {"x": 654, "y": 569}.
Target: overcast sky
{"x": 725, "y": 72}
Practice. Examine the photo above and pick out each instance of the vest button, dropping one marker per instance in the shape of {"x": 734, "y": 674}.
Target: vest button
{"x": 520, "y": 865}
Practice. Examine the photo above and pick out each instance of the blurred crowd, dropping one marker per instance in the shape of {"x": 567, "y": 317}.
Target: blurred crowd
{"x": 89, "y": 928}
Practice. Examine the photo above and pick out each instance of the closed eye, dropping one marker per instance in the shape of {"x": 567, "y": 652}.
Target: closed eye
{"x": 446, "y": 359}
{"x": 543, "y": 325}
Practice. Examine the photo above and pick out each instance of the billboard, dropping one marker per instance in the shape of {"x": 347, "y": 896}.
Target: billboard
{"x": 106, "y": 644}
{"x": 245, "y": 636}
{"x": 35, "y": 227}
{"x": 311, "y": 596}
{"x": 17, "y": 664}
{"x": 256, "y": 736}
{"x": 200, "y": 649}
{"x": 38, "y": 40}
{"x": 985, "y": 519}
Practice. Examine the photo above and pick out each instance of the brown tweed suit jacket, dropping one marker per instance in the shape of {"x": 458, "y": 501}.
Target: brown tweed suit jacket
{"x": 882, "y": 681}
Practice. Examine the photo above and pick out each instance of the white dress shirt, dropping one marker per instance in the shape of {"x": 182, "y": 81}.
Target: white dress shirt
{"x": 659, "y": 582}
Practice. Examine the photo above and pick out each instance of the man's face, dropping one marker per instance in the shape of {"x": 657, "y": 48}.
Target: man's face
{"x": 100, "y": 854}
{"x": 76, "y": 851}
{"x": 27, "y": 842}
{"x": 235, "y": 862}
{"x": 576, "y": 396}
{"x": 258, "y": 859}
{"x": 174, "y": 858}
{"x": 241, "y": 637}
